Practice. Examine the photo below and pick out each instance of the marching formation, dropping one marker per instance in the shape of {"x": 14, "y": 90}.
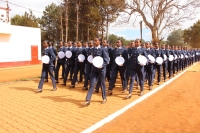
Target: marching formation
{"x": 97, "y": 62}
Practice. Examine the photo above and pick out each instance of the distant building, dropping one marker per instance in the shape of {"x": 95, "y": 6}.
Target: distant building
{"x": 4, "y": 14}
{"x": 19, "y": 45}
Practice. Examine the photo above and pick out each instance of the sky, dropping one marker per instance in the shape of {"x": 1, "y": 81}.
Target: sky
{"x": 126, "y": 30}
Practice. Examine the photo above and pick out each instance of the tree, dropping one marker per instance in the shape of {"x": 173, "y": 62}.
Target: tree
{"x": 50, "y": 23}
{"x": 113, "y": 39}
{"x": 176, "y": 38}
{"x": 160, "y": 15}
{"x": 28, "y": 19}
{"x": 192, "y": 35}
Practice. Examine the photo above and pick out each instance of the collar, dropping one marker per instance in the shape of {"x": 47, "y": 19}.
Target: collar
{"x": 137, "y": 47}
{"x": 61, "y": 47}
{"x": 148, "y": 48}
{"x": 46, "y": 48}
{"x": 51, "y": 47}
{"x": 98, "y": 47}
{"x": 70, "y": 47}
{"x": 105, "y": 47}
{"x": 91, "y": 47}
{"x": 79, "y": 47}
{"x": 120, "y": 47}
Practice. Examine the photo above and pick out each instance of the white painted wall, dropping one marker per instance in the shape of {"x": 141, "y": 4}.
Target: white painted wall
{"x": 17, "y": 41}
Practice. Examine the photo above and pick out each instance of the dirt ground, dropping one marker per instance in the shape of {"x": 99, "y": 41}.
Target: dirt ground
{"x": 174, "y": 109}
{"x": 19, "y": 73}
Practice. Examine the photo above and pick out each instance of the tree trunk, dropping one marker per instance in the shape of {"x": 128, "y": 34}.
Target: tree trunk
{"x": 102, "y": 37}
{"x": 88, "y": 33}
{"x": 107, "y": 27}
{"x": 154, "y": 35}
{"x": 66, "y": 19}
{"x": 77, "y": 18}
{"x": 61, "y": 26}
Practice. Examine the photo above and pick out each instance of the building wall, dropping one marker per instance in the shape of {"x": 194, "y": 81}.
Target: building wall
{"x": 19, "y": 45}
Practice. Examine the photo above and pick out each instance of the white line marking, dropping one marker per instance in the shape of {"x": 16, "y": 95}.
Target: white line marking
{"x": 121, "y": 111}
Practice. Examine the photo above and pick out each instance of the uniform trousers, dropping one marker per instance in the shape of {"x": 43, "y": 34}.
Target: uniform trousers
{"x": 47, "y": 69}
{"x": 93, "y": 79}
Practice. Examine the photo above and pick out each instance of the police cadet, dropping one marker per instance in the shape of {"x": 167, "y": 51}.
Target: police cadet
{"x": 79, "y": 65}
{"x": 176, "y": 61}
{"x": 136, "y": 68}
{"x": 88, "y": 65}
{"x": 47, "y": 68}
{"x": 181, "y": 59}
{"x": 60, "y": 62}
{"x": 170, "y": 63}
{"x": 98, "y": 72}
{"x": 158, "y": 67}
{"x": 70, "y": 62}
{"x": 105, "y": 45}
{"x": 150, "y": 66}
{"x": 164, "y": 65}
{"x": 119, "y": 51}
{"x": 54, "y": 62}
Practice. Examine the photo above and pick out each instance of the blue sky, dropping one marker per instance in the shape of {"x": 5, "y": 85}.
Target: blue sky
{"x": 127, "y": 31}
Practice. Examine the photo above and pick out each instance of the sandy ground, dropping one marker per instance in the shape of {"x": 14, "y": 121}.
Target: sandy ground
{"x": 174, "y": 109}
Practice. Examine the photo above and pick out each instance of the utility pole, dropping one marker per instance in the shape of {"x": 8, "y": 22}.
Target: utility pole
{"x": 141, "y": 30}
{"x": 61, "y": 24}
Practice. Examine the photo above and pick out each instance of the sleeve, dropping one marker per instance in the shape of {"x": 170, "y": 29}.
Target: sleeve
{"x": 125, "y": 55}
{"x": 105, "y": 57}
{"x": 53, "y": 57}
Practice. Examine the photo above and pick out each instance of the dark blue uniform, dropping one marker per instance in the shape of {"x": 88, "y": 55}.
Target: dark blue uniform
{"x": 165, "y": 65}
{"x": 170, "y": 64}
{"x": 136, "y": 68}
{"x": 88, "y": 67}
{"x": 60, "y": 62}
{"x": 98, "y": 73}
{"x": 70, "y": 62}
{"x": 158, "y": 67}
{"x": 54, "y": 62}
{"x": 48, "y": 68}
{"x": 122, "y": 69}
{"x": 150, "y": 67}
{"x": 79, "y": 66}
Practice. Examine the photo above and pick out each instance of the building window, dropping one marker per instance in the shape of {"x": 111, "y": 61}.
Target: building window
{"x": 2, "y": 15}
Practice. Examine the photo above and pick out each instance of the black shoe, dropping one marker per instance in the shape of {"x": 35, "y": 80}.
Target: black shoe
{"x": 87, "y": 103}
{"x": 63, "y": 84}
{"x": 141, "y": 93}
{"x": 72, "y": 86}
{"x": 110, "y": 92}
{"x": 96, "y": 91}
{"x": 39, "y": 90}
{"x": 124, "y": 91}
{"x": 150, "y": 88}
{"x": 84, "y": 88}
{"x": 104, "y": 101}
{"x": 128, "y": 96}
{"x": 54, "y": 89}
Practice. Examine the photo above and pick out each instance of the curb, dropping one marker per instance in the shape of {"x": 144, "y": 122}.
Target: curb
{"x": 121, "y": 111}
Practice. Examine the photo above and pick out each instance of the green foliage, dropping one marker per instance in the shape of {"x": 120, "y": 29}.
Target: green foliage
{"x": 176, "y": 38}
{"x": 50, "y": 23}
{"x": 28, "y": 19}
{"x": 192, "y": 35}
{"x": 113, "y": 39}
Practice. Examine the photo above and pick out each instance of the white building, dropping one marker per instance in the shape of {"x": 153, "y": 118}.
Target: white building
{"x": 19, "y": 45}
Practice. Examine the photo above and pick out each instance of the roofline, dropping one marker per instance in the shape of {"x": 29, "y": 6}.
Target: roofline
{"x": 5, "y": 8}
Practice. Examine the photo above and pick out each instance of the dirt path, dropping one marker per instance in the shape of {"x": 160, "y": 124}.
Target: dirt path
{"x": 173, "y": 109}
{"x": 19, "y": 73}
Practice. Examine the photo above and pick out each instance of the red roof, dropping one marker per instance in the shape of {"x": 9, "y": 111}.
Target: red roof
{"x": 5, "y": 8}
